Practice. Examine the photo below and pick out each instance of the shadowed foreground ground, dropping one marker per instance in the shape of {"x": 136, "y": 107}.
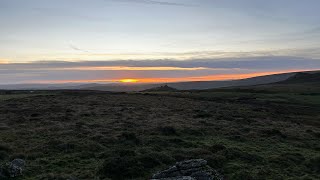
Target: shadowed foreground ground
{"x": 248, "y": 135}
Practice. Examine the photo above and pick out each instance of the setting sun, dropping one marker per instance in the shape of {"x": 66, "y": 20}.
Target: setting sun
{"x": 129, "y": 80}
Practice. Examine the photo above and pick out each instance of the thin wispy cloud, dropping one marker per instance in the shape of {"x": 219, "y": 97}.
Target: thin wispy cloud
{"x": 78, "y": 49}
{"x": 166, "y": 3}
{"x": 298, "y": 52}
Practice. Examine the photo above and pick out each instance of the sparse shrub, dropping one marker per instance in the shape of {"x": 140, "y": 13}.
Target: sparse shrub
{"x": 241, "y": 175}
{"x": 4, "y": 171}
{"x": 121, "y": 168}
{"x": 296, "y": 158}
{"x": 149, "y": 161}
{"x": 125, "y": 152}
{"x": 52, "y": 176}
{"x": 85, "y": 114}
{"x": 216, "y": 148}
{"x": 176, "y": 141}
{"x": 129, "y": 137}
{"x": 194, "y": 132}
{"x": 34, "y": 156}
{"x": 117, "y": 152}
{"x": 309, "y": 131}
{"x": 158, "y": 142}
{"x": 314, "y": 164}
{"x": 3, "y": 155}
{"x": 80, "y": 124}
{"x": 316, "y": 134}
{"x": 5, "y": 148}
{"x": 66, "y": 147}
{"x": 287, "y": 159}
{"x": 168, "y": 130}
{"x": 163, "y": 157}
{"x": 35, "y": 115}
{"x": 274, "y": 132}
{"x": 216, "y": 161}
{"x": 235, "y": 153}
{"x": 86, "y": 154}
{"x": 180, "y": 154}
{"x": 236, "y": 137}
{"x": 90, "y": 146}
{"x": 128, "y": 164}
{"x": 202, "y": 114}
{"x": 199, "y": 152}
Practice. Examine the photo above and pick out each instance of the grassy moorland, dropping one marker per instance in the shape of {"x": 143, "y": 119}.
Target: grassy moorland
{"x": 244, "y": 133}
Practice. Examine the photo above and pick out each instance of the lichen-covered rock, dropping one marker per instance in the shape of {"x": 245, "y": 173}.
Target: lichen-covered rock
{"x": 194, "y": 169}
{"x": 12, "y": 169}
{"x": 16, "y": 167}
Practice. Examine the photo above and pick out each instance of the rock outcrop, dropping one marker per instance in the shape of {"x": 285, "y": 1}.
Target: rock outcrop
{"x": 194, "y": 169}
{"x": 13, "y": 169}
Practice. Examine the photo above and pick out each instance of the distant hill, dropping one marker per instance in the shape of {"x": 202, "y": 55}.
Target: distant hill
{"x": 283, "y": 78}
{"x": 300, "y": 82}
{"x": 164, "y": 88}
{"x": 302, "y": 78}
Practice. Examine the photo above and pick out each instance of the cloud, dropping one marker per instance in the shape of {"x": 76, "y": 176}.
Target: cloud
{"x": 218, "y": 77}
{"x": 312, "y": 52}
{"x": 77, "y": 49}
{"x": 156, "y": 70}
{"x": 295, "y": 36}
{"x": 135, "y": 68}
{"x": 259, "y": 62}
{"x": 152, "y": 2}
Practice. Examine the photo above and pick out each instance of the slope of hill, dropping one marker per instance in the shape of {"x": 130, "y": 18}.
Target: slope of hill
{"x": 242, "y": 82}
{"x": 301, "y": 82}
{"x": 303, "y": 77}
{"x": 198, "y": 85}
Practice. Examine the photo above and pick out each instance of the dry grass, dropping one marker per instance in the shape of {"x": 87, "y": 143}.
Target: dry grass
{"x": 83, "y": 134}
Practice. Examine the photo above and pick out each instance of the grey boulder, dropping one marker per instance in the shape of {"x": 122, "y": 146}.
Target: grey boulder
{"x": 194, "y": 169}
{"x": 12, "y": 169}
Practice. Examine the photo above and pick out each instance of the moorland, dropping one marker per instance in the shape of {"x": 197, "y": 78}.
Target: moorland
{"x": 257, "y": 132}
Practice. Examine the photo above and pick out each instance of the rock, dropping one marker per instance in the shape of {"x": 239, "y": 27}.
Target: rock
{"x": 12, "y": 169}
{"x": 178, "y": 178}
{"x": 194, "y": 169}
{"x": 191, "y": 164}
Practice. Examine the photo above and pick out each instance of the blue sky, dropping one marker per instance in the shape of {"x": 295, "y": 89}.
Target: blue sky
{"x": 111, "y": 30}
{"x": 35, "y": 30}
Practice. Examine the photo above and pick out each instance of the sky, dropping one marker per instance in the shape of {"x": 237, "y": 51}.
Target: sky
{"x": 110, "y": 40}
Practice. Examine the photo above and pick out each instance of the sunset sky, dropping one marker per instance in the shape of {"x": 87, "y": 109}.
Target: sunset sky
{"x": 62, "y": 41}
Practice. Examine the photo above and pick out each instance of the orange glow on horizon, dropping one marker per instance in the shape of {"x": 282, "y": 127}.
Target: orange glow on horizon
{"x": 137, "y": 68}
{"x": 218, "y": 77}
{"x": 4, "y": 61}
